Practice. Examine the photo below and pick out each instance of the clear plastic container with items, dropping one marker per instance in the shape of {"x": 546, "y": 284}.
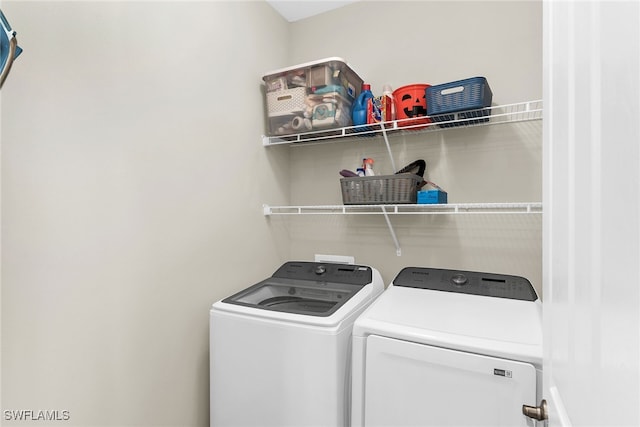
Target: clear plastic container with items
{"x": 309, "y": 97}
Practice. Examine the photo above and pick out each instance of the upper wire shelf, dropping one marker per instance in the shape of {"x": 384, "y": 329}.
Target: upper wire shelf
{"x": 509, "y": 113}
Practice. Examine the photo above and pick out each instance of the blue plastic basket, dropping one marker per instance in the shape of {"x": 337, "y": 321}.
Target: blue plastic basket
{"x": 459, "y": 100}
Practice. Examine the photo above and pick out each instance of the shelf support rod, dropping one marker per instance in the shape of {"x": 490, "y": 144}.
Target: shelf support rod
{"x": 393, "y": 233}
{"x": 386, "y": 141}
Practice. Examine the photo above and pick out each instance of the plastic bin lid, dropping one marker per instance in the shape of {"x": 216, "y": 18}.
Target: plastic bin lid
{"x": 332, "y": 61}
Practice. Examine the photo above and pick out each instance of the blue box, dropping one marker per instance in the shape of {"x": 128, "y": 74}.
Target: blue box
{"x": 432, "y": 197}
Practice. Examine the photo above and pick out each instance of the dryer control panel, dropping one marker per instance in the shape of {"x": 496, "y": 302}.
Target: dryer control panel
{"x": 467, "y": 282}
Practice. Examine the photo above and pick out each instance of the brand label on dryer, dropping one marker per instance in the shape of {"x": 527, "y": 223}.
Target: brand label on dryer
{"x": 502, "y": 373}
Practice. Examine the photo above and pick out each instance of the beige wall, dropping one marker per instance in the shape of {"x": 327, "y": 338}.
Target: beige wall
{"x": 400, "y": 43}
{"x": 133, "y": 179}
{"x": 132, "y": 186}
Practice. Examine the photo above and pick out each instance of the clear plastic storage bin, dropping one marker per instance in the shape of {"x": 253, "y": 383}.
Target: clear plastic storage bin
{"x": 309, "y": 97}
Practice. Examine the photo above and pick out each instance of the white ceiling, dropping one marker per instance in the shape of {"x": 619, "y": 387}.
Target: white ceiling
{"x": 294, "y": 10}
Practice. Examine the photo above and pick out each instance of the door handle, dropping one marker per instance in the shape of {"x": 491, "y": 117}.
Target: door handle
{"x": 539, "y": 413}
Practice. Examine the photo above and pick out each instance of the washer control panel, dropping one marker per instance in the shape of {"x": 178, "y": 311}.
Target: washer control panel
{"x": 467, "y": 282}
{"x": 325, "y": 272}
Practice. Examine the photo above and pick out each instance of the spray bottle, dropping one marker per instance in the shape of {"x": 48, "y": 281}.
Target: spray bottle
{"x": 368, "y": 167}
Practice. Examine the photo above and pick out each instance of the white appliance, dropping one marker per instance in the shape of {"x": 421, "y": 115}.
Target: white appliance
{"x": 448, "y": 348}
{"x": 280, "y": 350}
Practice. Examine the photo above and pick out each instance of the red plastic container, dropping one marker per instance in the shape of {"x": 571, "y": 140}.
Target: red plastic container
{"x": 411, "y": 102}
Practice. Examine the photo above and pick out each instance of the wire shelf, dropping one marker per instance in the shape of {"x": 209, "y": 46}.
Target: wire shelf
{"x": 409, "y": 209}
{"x": 509, "y": 113}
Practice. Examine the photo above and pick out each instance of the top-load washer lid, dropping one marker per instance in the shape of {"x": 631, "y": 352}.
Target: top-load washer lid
{"x": 310, "y": 288}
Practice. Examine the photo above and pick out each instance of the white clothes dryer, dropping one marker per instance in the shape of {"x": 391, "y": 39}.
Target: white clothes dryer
{"x": 280, "y": 350}
{"x": 448, "y": 348}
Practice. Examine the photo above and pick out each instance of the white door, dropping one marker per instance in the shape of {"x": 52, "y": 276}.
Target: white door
{"x": 410, "y": 384}
{"x": 591, "y": 249}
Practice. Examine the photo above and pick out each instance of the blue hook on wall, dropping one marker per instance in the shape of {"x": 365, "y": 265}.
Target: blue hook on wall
{"x": 9, "y": 49}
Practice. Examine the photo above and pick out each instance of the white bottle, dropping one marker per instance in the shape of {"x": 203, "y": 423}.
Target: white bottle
{"x": 388, "y": 104}
{"x": 368, "y": 167}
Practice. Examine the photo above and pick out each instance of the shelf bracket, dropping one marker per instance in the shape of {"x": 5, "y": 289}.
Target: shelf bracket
{"x": 272, "y": 140}
{"x": 391, "y": 230}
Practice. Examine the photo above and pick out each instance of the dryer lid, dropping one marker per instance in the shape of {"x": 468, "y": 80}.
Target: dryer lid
{"x": 499, "y": 327}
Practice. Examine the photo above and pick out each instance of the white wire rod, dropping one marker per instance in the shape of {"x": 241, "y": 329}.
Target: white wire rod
{"x": 391, "y": 230}
{"x": 386, "y": 141}
{"x": 409, "y": 209}
{"x": 498, "y": 114}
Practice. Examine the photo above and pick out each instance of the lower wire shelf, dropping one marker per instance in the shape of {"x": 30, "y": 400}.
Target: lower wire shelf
{"x": 408, "y": 209}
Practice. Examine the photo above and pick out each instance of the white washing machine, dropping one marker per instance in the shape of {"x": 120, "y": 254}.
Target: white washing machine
{"x": 448, "y": 348}
{"x": 280, "y": 351}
